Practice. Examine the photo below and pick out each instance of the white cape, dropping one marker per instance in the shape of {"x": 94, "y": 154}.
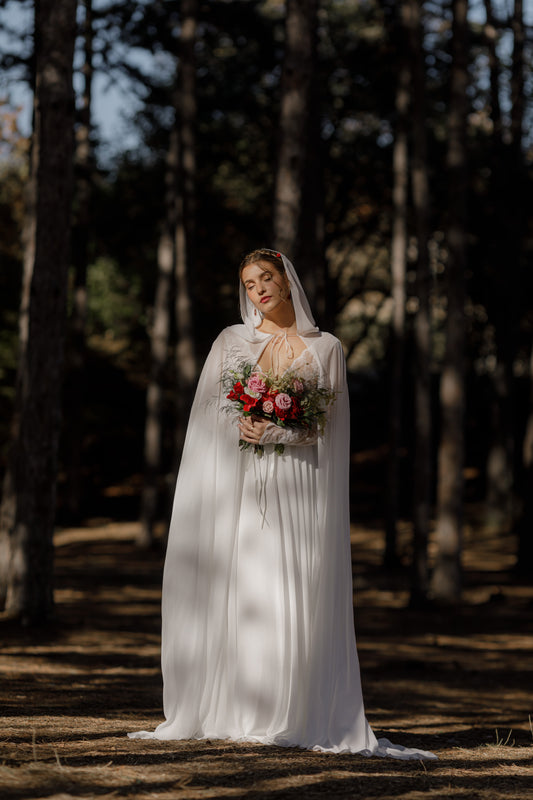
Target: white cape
{"x": 258, "y": 635}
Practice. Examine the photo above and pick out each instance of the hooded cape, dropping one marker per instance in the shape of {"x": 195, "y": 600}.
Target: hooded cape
{"x": 326, "y": 709}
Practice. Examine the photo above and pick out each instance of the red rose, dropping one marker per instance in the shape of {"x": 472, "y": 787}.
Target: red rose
{"x": 283, "y": 413}
{"x": 249, "y": 402}
{"x": 236, "y": 391}
{"x": 296, "y": 410}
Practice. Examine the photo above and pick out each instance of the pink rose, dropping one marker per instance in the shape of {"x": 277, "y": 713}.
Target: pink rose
{"x": 297, "y": 385}
{"x": 283, "y": 401}
{"x": 256, "y": 384}
{"x": 268, "y": 406}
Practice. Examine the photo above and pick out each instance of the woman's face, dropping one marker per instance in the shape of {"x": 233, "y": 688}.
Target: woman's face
{"x": 265, "y": 286}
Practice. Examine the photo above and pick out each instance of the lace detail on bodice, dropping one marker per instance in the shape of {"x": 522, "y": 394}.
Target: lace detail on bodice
{"x": 306, "y": 367}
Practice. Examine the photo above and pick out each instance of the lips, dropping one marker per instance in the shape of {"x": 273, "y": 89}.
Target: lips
{"x": 265, "y": 299}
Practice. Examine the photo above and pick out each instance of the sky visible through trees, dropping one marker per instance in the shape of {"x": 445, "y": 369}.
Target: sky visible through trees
{"x": 115, "y": 99}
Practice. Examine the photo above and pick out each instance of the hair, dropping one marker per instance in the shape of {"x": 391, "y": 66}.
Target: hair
{"x": 264, "y": 254}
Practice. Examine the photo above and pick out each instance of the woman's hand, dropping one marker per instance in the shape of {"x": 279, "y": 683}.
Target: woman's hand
{"x": 252, "y": 429}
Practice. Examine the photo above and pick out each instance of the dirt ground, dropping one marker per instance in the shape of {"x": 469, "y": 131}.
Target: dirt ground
{"x": 457, "y": 682}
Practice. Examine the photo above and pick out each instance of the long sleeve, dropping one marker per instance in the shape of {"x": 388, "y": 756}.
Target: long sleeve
{"x": 275, "y": 434}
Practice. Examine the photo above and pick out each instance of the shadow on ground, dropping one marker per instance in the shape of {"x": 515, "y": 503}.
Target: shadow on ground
{"x": 455, "y": 682}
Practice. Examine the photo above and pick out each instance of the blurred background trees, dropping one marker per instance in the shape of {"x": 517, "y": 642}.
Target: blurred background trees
{"x": 27, "y": 511}
{"x": 387, "y": 146}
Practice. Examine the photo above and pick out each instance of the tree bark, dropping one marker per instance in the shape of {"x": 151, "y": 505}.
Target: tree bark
{"x": 296, "y": 100}
{"x": 186, "y": 367}
{"x": 8, "y": 497}
{"x": 422, "y": 322}
{"x": 500, "y": 455}
{"x": 499, "y": 469}
{"x": 175, "y": 260}
{"x": 76, "y": 350}
{"x": 446, "y": 579}
{"x": 310, "y": 245}
{"x": 159, "y": 341}
{"x": 517, "y": 228}
{"x": 400, "y": 169}
{"x": 524, "y": 526}
{"x": 509, "y": 216}
{"x": 27, "y": 517}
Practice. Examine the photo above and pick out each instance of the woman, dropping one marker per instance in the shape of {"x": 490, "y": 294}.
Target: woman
{"x": 258, "y": 639}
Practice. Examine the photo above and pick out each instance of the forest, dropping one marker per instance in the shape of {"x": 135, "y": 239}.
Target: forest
{"x": 386, "y": 147}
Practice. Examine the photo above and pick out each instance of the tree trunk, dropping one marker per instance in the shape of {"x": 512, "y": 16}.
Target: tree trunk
{"x": 509, "y": 216}
{"x": 422, "y": 323}
{"x": 296, "y": 101}
{"x": 500, "y": 455}
{"x": 76, "y": 351}
{"x": 446, "y": 579}
{"x": 524, "y": 526}
{"x": 175, "y": 259}
{"x": 186, "y": 368}
{"x": 310, "y": 247}
{"x": 400, "y": 169}
{"x": 517, "y": 81}
{"x": 8, "y": 497}
{"x": 159, "y": 339}
{"x": 28, "y": 523}
{"x": 490, "y": 38}
{"x": 499, "y": 470}
{"x": 517, "y": 229}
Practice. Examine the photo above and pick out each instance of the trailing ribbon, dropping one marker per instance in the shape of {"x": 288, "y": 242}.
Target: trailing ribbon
{"x": 264, "y": 469}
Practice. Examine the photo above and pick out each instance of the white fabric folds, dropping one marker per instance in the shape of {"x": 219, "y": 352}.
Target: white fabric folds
{"x": 258, "y": 636}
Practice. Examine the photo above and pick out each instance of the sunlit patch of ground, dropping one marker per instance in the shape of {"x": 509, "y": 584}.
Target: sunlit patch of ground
{"x": 457, "y": 682}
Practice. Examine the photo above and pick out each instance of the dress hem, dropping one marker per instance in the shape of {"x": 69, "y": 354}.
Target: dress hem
{"x": 385, "y": 748}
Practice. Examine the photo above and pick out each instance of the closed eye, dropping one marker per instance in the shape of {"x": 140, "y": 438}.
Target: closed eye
{"x": 266, "y": 276}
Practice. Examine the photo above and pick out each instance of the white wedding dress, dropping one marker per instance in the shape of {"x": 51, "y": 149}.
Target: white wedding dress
{"x": 258, "y": 639}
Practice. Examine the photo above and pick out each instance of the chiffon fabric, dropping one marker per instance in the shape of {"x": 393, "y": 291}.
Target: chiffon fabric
{"x": 258, "y": 639}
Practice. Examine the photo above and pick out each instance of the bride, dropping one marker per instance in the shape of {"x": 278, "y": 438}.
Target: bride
{"x": 258, "y": 640}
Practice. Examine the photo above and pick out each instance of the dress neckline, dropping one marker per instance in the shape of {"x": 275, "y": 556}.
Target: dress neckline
{"x": 304, "y": 352}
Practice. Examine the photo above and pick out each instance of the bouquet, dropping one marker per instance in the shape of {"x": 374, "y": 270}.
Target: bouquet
{"x": 287, "y": 400}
